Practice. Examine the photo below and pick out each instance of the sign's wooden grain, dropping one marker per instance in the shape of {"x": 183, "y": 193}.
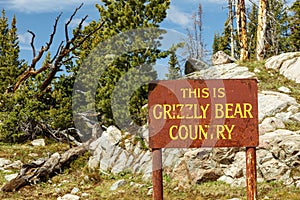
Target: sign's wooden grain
{"x": 203, "y": 113}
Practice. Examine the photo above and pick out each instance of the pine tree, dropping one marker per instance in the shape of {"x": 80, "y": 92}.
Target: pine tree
{"x": 174, "y": 67}
{"x": 10, "y": 65}
{"x": 121, "y": 17}
{"x": 222, "y": 42}
{"x": 216, "y": 43}
{"x": 295, "y": 26}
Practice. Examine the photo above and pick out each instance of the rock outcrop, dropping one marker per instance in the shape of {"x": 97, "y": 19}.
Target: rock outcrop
{"x": 278, "y": 155}
{"x": 221, "y": 58}
{"x": 288, "y": 64}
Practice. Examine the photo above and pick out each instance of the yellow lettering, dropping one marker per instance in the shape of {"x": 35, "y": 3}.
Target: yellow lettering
{"x": 180, "y": 106}
{"x": 193, "y": 93}
{"x": 180, "y": 132}
{"x": 221, "y": 92}
{"x": 205, "y": 93}
{"x": 202, "y": 132}
{"x": 238, "y": 110}
{"x": 171, "y": 132}
{"x": 184, "y": 90}
{"x": 219, "y": 113}
{"x": 191, "y": 132}
{"x": 220, "y": 132}
{"x": 228, "y": 108}
{"x": 229, "y": 130}
{"x": 204, "y": 110}
{"x": 190, "y": 108}
{"x": 247, "y": 109}
{"x": 155, "y": 111}
{"x": 167, "y": 110}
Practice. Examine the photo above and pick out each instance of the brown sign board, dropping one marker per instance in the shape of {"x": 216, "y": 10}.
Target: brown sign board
{"x": 203, "y": 113}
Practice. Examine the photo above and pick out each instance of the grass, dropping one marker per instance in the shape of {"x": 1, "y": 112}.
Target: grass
{"x": 270, "y": 79}
{"x": 97, "y": 184}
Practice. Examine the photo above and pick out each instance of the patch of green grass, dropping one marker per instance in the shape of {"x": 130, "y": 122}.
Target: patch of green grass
{"x": 138, "y": 139}
{"x": 292, "y": 125}
{"x": 270, "y": 79}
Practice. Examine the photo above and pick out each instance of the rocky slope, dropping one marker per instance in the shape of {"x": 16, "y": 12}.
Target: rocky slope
{"x": 278, "y": 155}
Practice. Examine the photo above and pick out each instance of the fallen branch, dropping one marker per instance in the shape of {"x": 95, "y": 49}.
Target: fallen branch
{"x": 42, "y": 170}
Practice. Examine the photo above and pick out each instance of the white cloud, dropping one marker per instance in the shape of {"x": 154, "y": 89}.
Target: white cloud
{"x": 206, "y": 1}
{"x": 74, "y": 23}
{"x": 215, "y": 1}
{"x": 43, "y": 6}
{"x": 24, "y": 41}
{"x": 25, "y": 38}
{"x": 178, "y": 17}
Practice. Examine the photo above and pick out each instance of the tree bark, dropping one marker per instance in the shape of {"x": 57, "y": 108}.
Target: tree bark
{"x": 261, "y": 30}
{"x": 231, "y": 28}
{"x": 42, "y": 170}
{"x": 242, "y": 29}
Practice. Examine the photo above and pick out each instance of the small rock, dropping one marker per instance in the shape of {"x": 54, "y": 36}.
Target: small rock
{"x": 221, "y": 57}
{"x": 85, "y": 194}
{"x": 150, "y": 191}
{"x": 298, "y": 184}
{"x": 65, "y": 181}
{"x": 38, "y": 142}
{"x": 136, "y": 185}
{"x": 15, "y": 165}
{"x": 69, "y": 197}
{"x": 33, "y": 155}
{"x": 257, "y": 70}
{"x": 293, "y": 109}
{"x": 10, "y": 176}
{"x": 57, "y": 190}
{"x": 270, "y": 124}
{"x": 117, "y": 184}
{"x": 74, "y": 190}
{"x": 4, "y": 162}
{"x": 296, "y": 117}
{"x": 284, "y": 116}
{"x": 284, "y": 90}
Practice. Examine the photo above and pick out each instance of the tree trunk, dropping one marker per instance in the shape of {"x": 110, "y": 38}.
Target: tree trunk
{"x": 261, "y": 29}
{"x": 231, "y": 28}
{"x": 42, "y": 170}
{"x": 242, "y": 29}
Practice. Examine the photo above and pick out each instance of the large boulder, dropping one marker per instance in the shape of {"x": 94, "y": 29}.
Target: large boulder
{"x": 226, "y": 71}
{"x": 272, "y": 103}
{"x": 193, "y": 65}
{"x": 221, "y": 58}
{"x": 288, "y": 64}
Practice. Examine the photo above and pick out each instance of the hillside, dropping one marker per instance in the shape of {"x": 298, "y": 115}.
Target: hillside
{"x": 124, "y": 158}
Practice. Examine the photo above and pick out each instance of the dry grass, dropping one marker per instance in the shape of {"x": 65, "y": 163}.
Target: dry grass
{"x": 97, "y": 184}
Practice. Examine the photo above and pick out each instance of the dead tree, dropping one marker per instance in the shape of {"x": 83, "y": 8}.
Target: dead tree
{"x": 194, "y": 42}
{"x": 242, "y": 28}
{"x": 231, "y": 28}
{"x": 62, "y": 55}
{"x": 43, "y": 169}
{"x": 261, "y": 29}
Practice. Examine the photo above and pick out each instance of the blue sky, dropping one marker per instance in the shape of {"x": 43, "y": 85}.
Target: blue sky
{"x": 39, "y": 15}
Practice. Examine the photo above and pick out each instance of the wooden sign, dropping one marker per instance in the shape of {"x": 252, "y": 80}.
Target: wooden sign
{"x": 203, "y": 113}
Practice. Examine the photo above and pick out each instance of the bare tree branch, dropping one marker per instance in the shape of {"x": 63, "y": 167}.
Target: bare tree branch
{"x": 62, "y": 53}
{"x": 32, "y": 42}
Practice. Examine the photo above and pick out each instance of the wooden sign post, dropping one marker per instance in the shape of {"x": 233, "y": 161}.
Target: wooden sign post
{"x": 203, "y": 113}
